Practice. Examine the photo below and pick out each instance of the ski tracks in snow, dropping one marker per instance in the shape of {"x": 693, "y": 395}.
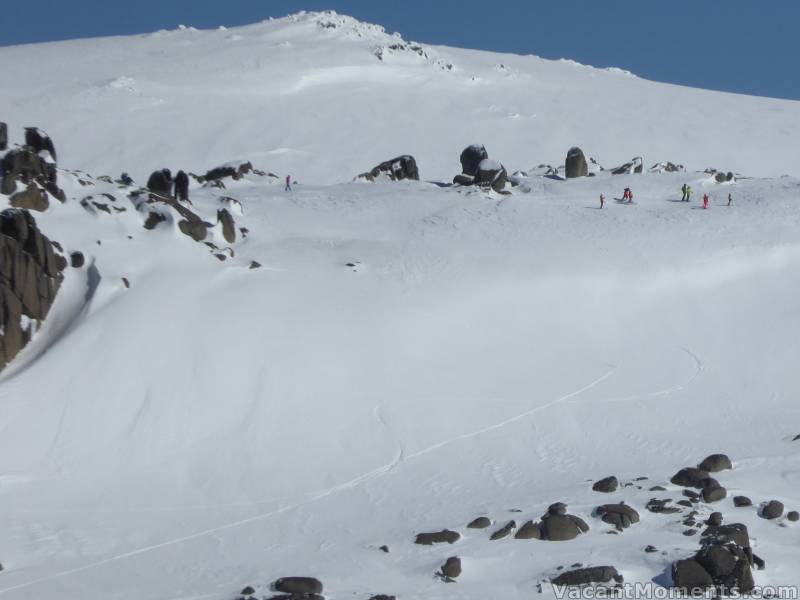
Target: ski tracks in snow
{"x": 399, "y": 459}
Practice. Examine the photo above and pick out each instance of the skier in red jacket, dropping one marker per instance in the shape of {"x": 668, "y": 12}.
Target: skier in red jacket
{"x": 705, "y": 201}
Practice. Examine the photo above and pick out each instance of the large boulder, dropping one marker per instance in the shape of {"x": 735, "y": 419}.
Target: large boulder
{"x": 772, "y": 510}
{"x": 606, "y": 485}
{"x": 471, "y": 157}
{"x": 3, "y": 136}
{"x": 560, "y": 528}
{"x": 225, "y": 218}
{"x": 451, "y": 569}
{"x": 160, "y": 184}
{"x": 30, "y": 277}
{"x": 716, "y": 463}
{"x": 397, "y": 169}
{"x": 504, "y": 531}
{"x": 39, "y": 141}
{"x": 491, "y": 174}
{"x": 298, "y": 585}
{"x": 621, "y": 516}
{"x": 445, "y": 536}
{"x": 586, "y": 576}
{"x": 575, "y": 165}
{"x": 690, "y": 477}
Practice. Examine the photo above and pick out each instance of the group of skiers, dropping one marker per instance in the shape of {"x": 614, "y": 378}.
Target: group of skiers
{"x": 627, "y": 197}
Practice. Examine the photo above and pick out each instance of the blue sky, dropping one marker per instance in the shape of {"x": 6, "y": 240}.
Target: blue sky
{"x": 745, "y": 46}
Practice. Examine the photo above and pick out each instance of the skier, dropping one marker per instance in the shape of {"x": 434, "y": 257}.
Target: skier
{"x": 705, "y": 201}
{"x": 688, "y": 193}
{"x": 730, "y": 198}
{"x": 288, "y": 183}
{"x": 602, "y": 200}
{"x": 626, "y": 194}
{"x": 683, "y": 189}
{"x": 630, "y": 196}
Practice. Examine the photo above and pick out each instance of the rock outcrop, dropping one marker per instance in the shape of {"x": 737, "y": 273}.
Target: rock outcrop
{"x": 397, "y": 169}
{"x": 30, "y": 276}
{"x": 575, "y": 165}
{"x": 234, "y": 172}
{"x": 636, "y": 165}
{"x": 471, "y": 157}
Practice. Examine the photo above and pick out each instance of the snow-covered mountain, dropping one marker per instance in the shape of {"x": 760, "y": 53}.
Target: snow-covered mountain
{"x": 360, "y": 363}
{"x": 325, "y": 97}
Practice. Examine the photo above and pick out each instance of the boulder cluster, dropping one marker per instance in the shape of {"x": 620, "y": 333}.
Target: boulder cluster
{"x": 29, "y": 173}
{"x": 478, "y": 169}
{"x": 30, "y": 276}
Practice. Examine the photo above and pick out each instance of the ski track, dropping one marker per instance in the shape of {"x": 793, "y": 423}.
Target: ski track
{"x": 698, "y": 368}
{"x": 353, "y": 483}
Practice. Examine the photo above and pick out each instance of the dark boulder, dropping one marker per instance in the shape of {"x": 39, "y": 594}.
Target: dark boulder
{"x": 451, "y": 569}
{"x": 195, "y": 228}
{"x": 471, "y": 157}
{"x": 606, "y": 485}
{"x": 715, "y": 463}
{"x": 3, "y": 136}
{"x": 690, "y": 576}
{"x": 298, "y": 585}
{"x": 655, "y": 505}
{"x": 504, "y": 531}
{"x": 714, "y": 493}
{"x": 479, "y": 523}
{"x": 182, "y": 186}
{"x": 557, "y": 508}
{"x": 491, "y": 174}
{"x": 397, "y": 169}
{"x": 621, "y": 516}
{"x": 225, "y": 218}
{"x": 445, "y": 536}
{"x": 586, "y": 576}
{"x": 464, "y": 180}
{"x": 740, "y": 501}
{"x": 160, "y": 184}
{"x": 793, "y": 516}
{"x": 76, "y": 260}
{"x": 575, "y": 165}
{"x": 690, "y": 477}
{"x": 39, "y": 141}
{"x": 559, "y": 528}
{"x": 153, "y": 219}
{"x": 714, "y": 519}
{"x": 771, "y": 510}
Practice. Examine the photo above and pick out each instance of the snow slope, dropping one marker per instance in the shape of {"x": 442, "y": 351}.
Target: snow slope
{"x": 409, "y": 356}
{"x": 308, "y": 95}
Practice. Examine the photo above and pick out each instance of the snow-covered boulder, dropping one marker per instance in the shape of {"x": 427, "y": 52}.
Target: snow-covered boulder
{"x": 24, "y": 165}
{"x": 667, "y": 167}
{"x": 471, "y": 157}
{"x": 39, "y": 141}
{"x": 575, "y": 165}
{"x": 491, "y": 173}
{"x": 635, "y": 165}
{"x": 396, "y": 169}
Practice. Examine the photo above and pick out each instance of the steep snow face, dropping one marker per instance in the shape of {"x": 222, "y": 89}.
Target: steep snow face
{"x": 267, "y": 91}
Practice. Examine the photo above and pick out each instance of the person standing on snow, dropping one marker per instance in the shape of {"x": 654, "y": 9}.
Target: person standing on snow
{"x": 625, "y": 193}
{"x": 683, "y": 189}
{"x": 630, "y": 196}
{"x": 688, "y": 193}
{"x": 730, "y": 198}
{"x": 602, "y": 200}
{"x": 288, "y": 187}
{"x": 705, "y": 201}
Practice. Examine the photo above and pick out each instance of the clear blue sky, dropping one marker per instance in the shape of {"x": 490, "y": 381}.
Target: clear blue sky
{"x": 746, "y": 46}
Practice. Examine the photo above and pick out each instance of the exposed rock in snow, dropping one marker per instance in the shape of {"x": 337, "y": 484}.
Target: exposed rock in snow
{"x": 575, "y": 165}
